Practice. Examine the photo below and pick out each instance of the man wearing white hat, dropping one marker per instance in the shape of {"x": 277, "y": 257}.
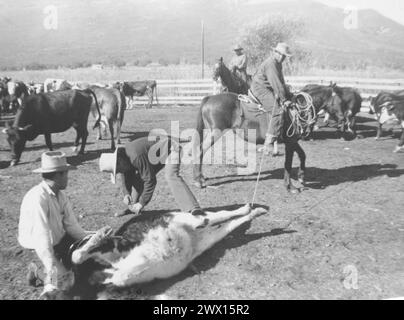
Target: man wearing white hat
{"x": 268, "y": 85}
{"x": 47, "y": 223}
{"x": 137, "y": 165}
{"x": 238, "y": 63}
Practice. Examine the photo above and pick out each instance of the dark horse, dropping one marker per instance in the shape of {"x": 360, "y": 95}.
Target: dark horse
{"x": 225, "y": 111}
{"x": 231, "y": 81}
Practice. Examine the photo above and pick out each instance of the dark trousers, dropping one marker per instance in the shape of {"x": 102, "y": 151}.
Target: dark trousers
{"x": 275, "y": 111}
{"x": 183, "y": 195}
{"x": 62, "y": 251}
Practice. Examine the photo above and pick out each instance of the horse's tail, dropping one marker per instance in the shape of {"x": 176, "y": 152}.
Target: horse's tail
{"x": 200, "y": 126}
{"x": 155, "y": 91}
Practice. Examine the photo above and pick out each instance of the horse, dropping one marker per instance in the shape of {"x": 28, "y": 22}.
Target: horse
{"x": 231, "y": 81}
{"x": 328, "y": 100}
{"x": 225, "y": 111}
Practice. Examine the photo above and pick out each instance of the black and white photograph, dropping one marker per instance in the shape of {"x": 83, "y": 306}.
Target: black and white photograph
{"x": 202, "y": 150}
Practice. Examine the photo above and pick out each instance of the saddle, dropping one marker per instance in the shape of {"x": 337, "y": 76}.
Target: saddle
{"x": 250, "y": 103}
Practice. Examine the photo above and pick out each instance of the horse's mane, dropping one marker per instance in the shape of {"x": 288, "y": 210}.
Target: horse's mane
{"x": 233, "y": 82}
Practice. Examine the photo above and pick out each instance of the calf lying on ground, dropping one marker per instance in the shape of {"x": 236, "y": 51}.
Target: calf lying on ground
{"x": 157, "y": 248}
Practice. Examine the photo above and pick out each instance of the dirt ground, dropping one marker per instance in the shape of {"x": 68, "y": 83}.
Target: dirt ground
{"x": 309, "y": 246}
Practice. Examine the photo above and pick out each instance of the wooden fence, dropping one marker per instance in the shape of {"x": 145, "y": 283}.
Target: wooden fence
{"x": 192, "y": 91}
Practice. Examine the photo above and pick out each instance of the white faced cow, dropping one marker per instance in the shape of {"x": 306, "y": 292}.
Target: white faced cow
{"x": 51, "y": 85}
{"x": 381, "y": 104}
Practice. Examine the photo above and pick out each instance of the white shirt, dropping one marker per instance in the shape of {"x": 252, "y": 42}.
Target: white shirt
{"x": 45, "y": 218}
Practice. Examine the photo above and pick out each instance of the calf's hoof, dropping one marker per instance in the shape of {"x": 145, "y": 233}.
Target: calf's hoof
{"x": 398, "y": 149}
{"x": 258, "y": 212}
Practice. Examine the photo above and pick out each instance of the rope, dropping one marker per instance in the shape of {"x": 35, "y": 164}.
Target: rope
{"x": 258, "y": 180}
{"x": 302, "y": 116}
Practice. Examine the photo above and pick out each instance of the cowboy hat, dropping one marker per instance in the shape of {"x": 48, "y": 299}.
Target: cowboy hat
{"x": 283, "y": 48}
{"x": 54, "y": 161}
{"x": 238, "y": 48}
{"x": 108, "y": 163}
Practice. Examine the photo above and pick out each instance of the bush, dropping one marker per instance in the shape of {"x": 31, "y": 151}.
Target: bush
{"x": 164, "y": 62}
{"x": 119, "y": 63}
{"x": 259, "y": 37}
{"x": 144, "y": 62}
{"x": 36, "y": 66}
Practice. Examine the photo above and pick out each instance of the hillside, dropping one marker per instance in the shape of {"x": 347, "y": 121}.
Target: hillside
{"x": 108, "y": 31}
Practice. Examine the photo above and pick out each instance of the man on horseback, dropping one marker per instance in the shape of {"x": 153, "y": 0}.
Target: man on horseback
{"x": 269, "y": 87}
{"x": 238, "y": 64}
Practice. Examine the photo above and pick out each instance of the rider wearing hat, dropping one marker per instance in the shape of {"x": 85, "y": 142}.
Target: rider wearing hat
{"x": 137, "y": 165}
{"x": 47, "y": 223}
{"x": 238, "y": 64}
{"x": 269, "y": 87}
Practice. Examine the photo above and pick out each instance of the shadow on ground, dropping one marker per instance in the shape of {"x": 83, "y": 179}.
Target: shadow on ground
{"x": 318, "y": 178}
{"x": 88, "y": 156}
{"x": 4, "y": 164}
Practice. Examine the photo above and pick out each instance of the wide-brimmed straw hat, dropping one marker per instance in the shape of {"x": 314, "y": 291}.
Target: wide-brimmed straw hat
{"x": 54, "y": 161}
{"x": 237, "y": 47}
{"x": 108, "y": 163}
{"x": 283, "y": 48}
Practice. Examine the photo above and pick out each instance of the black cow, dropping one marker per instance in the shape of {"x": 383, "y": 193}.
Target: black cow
{"x": 140, "y": 88}
{"x": 48, "y": 113}
{"x": 384, "y": 106}
{"x": 326, "y": 100}
{"x": 352, "y": 103}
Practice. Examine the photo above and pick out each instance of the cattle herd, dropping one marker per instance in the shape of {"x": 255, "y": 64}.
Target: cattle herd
{"x": 56, "y": 105}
